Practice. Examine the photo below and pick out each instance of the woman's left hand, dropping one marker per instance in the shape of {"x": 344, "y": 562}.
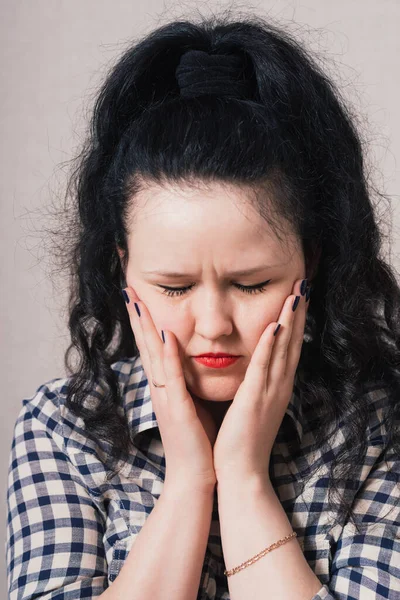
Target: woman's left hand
{"x": 245, "y": 439}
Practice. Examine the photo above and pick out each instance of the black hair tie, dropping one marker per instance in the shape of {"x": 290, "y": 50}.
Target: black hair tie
{"x": 200, "y": 73}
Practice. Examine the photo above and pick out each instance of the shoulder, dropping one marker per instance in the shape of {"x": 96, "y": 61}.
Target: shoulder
{"x": 41, "y": 411}
{"x": 46, "y": 411}
{"x": 377, "y": 400}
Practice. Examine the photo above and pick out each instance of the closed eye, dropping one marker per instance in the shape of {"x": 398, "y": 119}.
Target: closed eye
{"x": 247, "y": 289}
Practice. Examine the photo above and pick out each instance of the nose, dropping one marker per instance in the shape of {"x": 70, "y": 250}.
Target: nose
{"x": 213, "y": 319}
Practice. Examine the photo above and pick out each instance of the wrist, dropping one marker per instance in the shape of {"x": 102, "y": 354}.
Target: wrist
{"x": 184, "y": 489}
{"x": 245, "y": 486}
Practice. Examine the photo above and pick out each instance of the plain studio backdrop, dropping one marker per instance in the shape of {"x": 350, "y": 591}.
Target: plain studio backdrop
{"x": 54, "y": 55}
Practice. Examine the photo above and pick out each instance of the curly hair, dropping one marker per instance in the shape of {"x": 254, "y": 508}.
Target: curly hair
{"x": 292, "y": 134}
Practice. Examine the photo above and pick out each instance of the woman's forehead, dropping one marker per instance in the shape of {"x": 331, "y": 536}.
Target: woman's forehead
{"x": 213, "y": 210}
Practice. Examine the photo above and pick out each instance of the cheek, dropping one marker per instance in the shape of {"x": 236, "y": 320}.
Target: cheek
{"x": 260, "y": 316}
{"x": 250, "y": 329}
{"x": 170, "y": 319}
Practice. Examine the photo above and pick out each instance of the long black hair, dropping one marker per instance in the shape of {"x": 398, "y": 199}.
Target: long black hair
{"x": 288, "y": 132}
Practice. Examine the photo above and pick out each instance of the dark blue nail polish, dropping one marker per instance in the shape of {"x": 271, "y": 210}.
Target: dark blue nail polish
{"x": 137, "y": 309}
{"x": 125, "y": 295}
{"x": 277, "y": 328}
{"x": 303, "y": 287}
{"x": 163, "y": 337}
{"x": 295, "y": 303}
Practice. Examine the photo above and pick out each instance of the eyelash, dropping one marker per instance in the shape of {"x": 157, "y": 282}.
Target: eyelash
{"x": 254, "y": 289}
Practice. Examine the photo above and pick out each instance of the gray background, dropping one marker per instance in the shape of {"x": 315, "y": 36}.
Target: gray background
{"x": 53, "y": 56}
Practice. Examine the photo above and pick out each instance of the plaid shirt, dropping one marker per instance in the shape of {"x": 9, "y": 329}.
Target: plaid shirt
{"x": 69, "y": 530}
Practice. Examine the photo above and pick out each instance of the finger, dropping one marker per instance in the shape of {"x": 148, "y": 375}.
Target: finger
{"x": 297, "y": 337}
{"x": 136, "y": 325}
{"x": 180, "y": 403}
{"x": 153, "y": 343}
{"x": 278, "y": 362}
{"x": 257, "y": 370}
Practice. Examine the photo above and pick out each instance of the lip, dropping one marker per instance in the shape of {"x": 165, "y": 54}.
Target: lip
{"x": 214, "y": 362}
{"x": 218, "y": 355}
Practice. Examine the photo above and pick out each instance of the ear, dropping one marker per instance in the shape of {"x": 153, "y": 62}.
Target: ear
{"x": 121, "y": 255}
{"x": 120, "y": 252}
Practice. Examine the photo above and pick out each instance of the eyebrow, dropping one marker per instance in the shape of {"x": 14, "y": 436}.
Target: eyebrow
{"x": 242, "y": 272}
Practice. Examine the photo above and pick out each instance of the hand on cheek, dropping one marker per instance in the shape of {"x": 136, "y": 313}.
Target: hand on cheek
{"x": 243, "y": 447}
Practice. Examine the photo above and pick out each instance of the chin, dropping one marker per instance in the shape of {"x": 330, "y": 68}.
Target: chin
{"x": 215, "y": 391}
{"x": 215, "y": 386}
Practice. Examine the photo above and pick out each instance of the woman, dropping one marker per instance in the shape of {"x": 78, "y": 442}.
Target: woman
{"x": 222, "y": 181}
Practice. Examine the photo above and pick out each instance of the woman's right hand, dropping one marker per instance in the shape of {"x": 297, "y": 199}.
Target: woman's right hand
{"x": 187, "y": 430}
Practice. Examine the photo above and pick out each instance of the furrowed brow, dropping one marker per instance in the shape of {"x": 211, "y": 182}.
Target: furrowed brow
{"x": 238, "y": 273}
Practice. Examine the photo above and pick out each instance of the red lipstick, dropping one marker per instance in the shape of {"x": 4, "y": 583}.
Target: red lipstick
{"x": 218, "y": 354}
{"x": 218, "y": 360}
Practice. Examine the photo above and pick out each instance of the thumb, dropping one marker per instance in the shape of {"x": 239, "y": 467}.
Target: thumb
{"x": 206, "y": 420}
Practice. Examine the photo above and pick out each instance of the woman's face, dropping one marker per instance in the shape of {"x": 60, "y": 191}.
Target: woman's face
{"x": 204, "y": 236}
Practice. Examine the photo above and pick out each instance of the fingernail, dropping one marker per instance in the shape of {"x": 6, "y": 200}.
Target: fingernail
{"x": 125, "y": 295}
{"x": 137, "y": 309}
{"x": 295, "y": 303}
{"x": 303, "y": 287}
{"x": 277, "y": 329}
{"x": 162, "y": 334}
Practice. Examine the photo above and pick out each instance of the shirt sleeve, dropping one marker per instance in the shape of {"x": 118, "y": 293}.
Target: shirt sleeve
{"x": 54, "y": 545}
{"x": 366, "y": 565}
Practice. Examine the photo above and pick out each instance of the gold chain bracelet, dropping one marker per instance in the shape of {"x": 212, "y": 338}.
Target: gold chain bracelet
{"x": 250, "y": 561}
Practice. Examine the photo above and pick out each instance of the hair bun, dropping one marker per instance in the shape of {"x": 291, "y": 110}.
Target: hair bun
{"x": 200, "y": 73}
